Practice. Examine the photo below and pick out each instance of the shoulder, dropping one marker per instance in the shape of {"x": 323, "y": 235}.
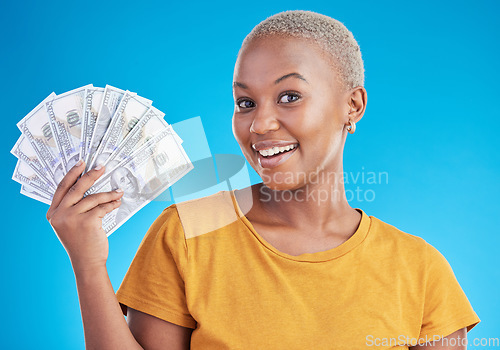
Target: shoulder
{"x": 406, "y": 254}
{"x": 393, "y": 239}
{"x": 170, "y": 232}
{"x": 411, "y": 247}
{"x": 383, "y": 231}
{"x": 202, "y": 215}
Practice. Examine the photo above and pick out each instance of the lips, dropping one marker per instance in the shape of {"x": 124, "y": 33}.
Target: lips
{"x": 270, "y": 154}
{"x": 262, "y": 145}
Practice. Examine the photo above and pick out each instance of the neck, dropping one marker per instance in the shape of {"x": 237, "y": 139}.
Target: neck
{"x": 315, "y": 205}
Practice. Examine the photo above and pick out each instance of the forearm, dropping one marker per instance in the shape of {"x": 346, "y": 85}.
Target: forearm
{"x": 103, "y": 321}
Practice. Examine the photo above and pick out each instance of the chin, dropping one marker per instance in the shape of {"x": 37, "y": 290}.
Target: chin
{"x": 277, "y": 183}
{"x": 277, "y": 187}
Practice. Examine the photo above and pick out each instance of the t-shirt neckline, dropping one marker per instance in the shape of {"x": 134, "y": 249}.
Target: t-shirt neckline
{"x": 330, "y": 254}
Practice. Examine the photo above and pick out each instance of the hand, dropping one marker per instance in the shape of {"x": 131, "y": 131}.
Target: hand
{"x": 77, "y": 221}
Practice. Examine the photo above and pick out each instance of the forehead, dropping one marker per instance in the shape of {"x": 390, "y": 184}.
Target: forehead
{"x": 265, "y": 59}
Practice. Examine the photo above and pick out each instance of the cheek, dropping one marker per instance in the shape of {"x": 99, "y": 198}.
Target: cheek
{"x": 241, "y": 129}
{"x": 306, "y": 124}
{"x": 324, "y": 119}
{"x": 318, "y": 130}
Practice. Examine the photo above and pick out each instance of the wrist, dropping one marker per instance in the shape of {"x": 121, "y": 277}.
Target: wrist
{"x": 86, "y": 269}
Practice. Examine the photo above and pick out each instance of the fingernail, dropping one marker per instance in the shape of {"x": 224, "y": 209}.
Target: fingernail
{"x": 80, "y": 162}
{"x": 98, "y": 167}
{"x": 119, "y": 190}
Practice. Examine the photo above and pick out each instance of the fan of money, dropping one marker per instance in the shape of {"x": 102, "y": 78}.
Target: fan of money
{"x": 102, "y": 126}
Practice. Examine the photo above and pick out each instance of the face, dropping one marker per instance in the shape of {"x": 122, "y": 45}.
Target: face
{"x": 290, "y": 111}
{"x": 124, "y": 180}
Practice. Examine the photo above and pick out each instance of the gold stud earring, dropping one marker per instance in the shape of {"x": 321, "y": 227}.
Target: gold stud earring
{"x": 352, "y": 125}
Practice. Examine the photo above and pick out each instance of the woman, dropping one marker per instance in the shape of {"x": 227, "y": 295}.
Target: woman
{"x": 284, "y": 264}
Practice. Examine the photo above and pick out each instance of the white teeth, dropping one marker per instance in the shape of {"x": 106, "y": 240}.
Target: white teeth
{"x": 274, "y": 150}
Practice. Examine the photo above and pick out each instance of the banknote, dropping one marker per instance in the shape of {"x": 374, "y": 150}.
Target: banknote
{"x": 25, "y": 175}
{"x": 24, "y": 151}
{"x": 149, "y": 125}
{"x": 65, "y": 114}
{"x": 33, "y": 193}
{"x": 91, "y": 106}
{"x": 35, "y": 126}
{"x": 110, "y": 100}
{"x": 143, "y": 176}
{"x": 143, "y": 153}
{"x": 128, "y": 113}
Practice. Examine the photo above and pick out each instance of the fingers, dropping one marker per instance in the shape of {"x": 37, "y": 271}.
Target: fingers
{"x": 63, "y": 187}
{"x": 75, "y": 193}
{"x": 104, "y": 208}
{"x": 90, "y": 202}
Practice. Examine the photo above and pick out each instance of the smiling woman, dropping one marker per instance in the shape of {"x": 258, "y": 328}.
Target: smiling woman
{"x": 285, "y": 263}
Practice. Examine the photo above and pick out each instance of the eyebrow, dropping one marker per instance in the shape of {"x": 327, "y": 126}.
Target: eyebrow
{"x": 296, "y": 75}
{"x": 277, "y": 81}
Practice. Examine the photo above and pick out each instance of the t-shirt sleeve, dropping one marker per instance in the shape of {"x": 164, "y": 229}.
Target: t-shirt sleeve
{"x": 446, "y": 307}
{"x": 154, "y": 282}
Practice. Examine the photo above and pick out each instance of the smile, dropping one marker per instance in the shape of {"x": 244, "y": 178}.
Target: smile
{"x": 275, "y": 150}
{"x": 274, "y": 156}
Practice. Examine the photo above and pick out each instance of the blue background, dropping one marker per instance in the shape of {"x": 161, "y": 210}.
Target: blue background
{"x": 431, "y": 123}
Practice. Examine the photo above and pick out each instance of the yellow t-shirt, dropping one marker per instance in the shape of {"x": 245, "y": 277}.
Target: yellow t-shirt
{"x": 202, "y": 265}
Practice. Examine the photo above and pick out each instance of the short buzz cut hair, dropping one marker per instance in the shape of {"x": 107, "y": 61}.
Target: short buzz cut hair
{"x": 330, "y": 34}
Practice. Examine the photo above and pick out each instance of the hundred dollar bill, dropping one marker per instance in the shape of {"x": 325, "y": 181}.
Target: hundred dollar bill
{"x": 24, "y": 151}
{"x": 65, "y": 114}
{"x": 33, "y": 193}
{"x": 35, "y": 126}
{"x": 91, "y": 106}
{"x": 128, "y": 113}
{"x": 145, "y": 175}
{"x": 110, "y": 100}
{"x": 27, "y": 176}
{"x": 149, "y": 125}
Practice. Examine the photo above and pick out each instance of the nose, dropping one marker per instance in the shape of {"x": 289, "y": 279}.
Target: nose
{"x": 265, "y": 119}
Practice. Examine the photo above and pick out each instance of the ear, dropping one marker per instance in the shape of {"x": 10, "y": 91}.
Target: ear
{"x": 356, "y": 104}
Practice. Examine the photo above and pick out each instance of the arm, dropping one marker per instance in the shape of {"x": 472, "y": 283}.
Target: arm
{"x": 154, "y": 333}
{"x": 77, "y": 222}
{"x": 103, "y": 321}
{"x": 106, "y": 328}
{"x": 454, "y": 341}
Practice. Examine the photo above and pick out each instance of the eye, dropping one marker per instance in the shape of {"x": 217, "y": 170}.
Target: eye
{"x": 288, "y": 97}
{"x": 245, "y": 103}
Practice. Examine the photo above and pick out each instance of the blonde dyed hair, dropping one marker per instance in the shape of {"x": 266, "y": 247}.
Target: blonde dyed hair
{"x": 330, "y": 34}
